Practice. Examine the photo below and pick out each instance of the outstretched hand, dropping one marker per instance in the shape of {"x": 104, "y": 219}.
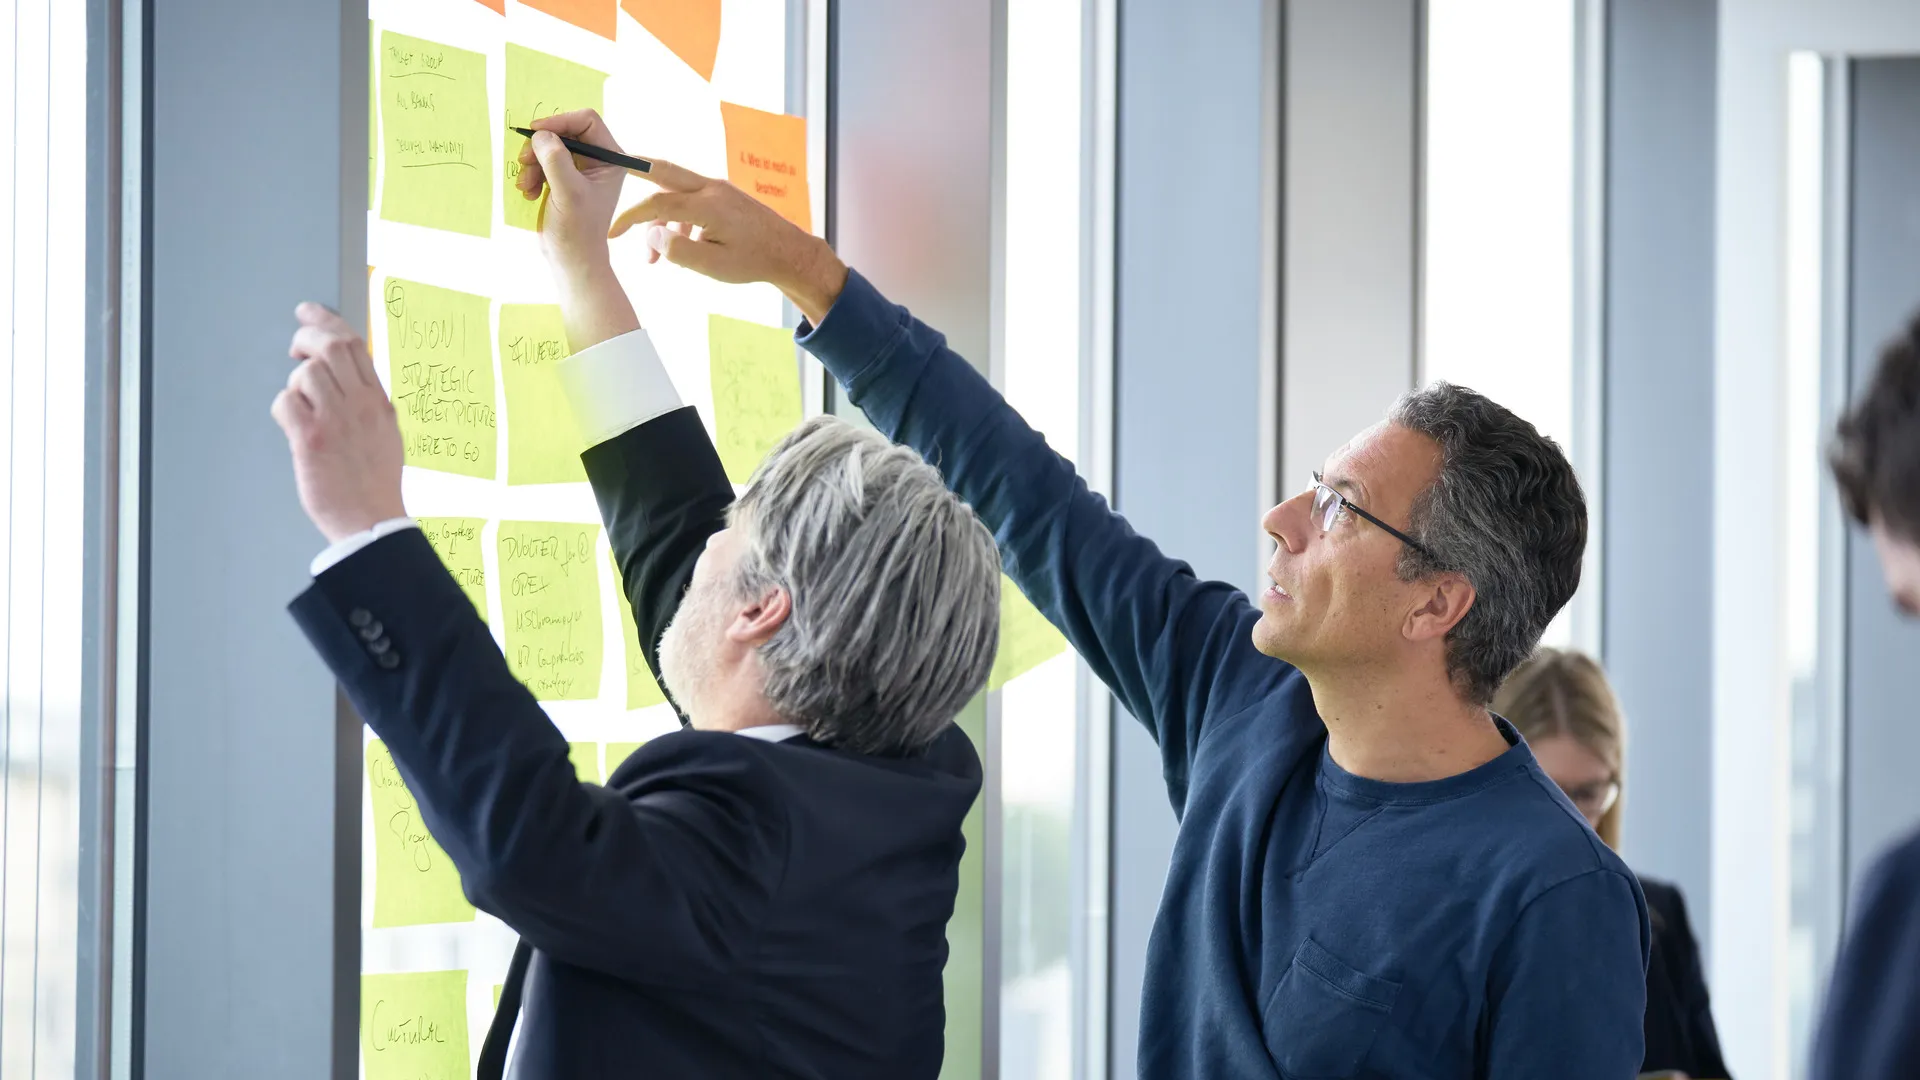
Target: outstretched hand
{"x": 341, "y": 428}
{"x": 713, "y": 228}
{"x": 706, "y": 225}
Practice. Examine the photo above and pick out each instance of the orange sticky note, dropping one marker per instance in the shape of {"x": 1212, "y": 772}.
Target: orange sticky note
{"x": 691, "y": 28}
{"x": 497, "y": 5}
{"x": 595, "y": 15}
{"x": 767, "y": 158}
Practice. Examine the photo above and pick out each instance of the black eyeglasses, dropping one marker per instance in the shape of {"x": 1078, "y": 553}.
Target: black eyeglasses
{"x": 1326, "y": 508}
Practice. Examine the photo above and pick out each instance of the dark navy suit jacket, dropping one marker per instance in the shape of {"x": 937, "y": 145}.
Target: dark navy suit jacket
{"x": 725, "y": 906}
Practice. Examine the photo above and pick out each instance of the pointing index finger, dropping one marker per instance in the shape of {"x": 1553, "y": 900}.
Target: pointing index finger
{"x": 670, "y": 177}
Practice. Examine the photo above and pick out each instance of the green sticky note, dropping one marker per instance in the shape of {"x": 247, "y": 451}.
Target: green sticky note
{"x": 457, "y": 541}
{"x": 617, "y": 755}
{"x": 413, "y": 1026}
{"x": 586, "y": 761}
{"x": 550, "y": 599}
{"x": 414, "y": 881}
{"x": 543, "y": 445}
{"x": 539, "y": 86}
{"x": 439, "y": 142}
{"x": 440, "y": 359}
{"x": 373, "y": 115}
{"x": 643, "y": 690}
{"x": 756, "y": 391}
{"x": 1027, "y": 639}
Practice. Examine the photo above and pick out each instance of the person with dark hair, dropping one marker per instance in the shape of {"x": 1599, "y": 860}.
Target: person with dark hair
{"x": 1870, "y": 1027}
{"x": 1373, "y": 876}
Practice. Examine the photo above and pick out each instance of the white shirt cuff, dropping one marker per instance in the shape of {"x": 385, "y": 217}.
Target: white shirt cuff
{"x": 337, "y": 553}
{"x": 616, "y": 386}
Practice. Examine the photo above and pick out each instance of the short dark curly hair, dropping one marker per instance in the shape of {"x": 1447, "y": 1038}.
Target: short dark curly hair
{"x": 1506, "y": 511}
{"x": 1876, "y": 446}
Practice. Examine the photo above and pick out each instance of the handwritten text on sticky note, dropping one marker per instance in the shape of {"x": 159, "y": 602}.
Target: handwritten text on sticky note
{"x": 767, "y": 158}
{"x": 539, "y": 86}
{"x": 543, "y": 443}
{"x": 413, "y": 1026}
{"x": 457, "y": 541}
{"x": 550, "y": 599}
{"x": 438, "y": 136}
{"x": 1027, "y": 639}
{"x": 690, "y": 28}
{"x": 414, "y": 881}
{"x": 440, "y": 354}
{"x": 756, "y": 391}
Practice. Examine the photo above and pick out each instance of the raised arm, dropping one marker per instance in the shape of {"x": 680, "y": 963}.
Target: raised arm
{"x": 655, "y": 474}
{"x": 564, "y": 862}
{"x": 1173, "y": 647}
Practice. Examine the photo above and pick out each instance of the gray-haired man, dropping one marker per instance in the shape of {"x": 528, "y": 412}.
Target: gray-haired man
{"x": 763, "y": 895}
{"x": 1373, "y": 878}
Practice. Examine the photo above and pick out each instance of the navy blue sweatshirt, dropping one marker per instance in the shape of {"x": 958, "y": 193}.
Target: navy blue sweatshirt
{"x": 1316, "y": 925}
{"x": 1871, "y": 1027}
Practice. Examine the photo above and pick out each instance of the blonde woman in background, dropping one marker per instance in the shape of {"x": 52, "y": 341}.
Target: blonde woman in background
{"x": 1562, "y": 705}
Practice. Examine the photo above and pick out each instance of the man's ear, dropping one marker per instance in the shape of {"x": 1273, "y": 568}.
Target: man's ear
{"x": 1441, "y": 605}
{"x": 756, "y": 623}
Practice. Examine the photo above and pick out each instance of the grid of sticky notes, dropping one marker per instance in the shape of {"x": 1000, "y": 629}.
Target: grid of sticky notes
{"x": 465, "y": 329}
{"x": 431, "y": 116}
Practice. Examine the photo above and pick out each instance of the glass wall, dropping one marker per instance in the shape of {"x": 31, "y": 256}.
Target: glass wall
{"x": 463, "y": 308}
{"x": 1499, "y": 272}
{"x": 1050, "y": 875}
{"x": 1041, "y": 378}
{"x": 43, "y": 63}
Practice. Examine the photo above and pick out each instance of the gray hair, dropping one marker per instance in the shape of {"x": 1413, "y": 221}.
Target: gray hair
{"x": 1506, "y": 512}
{"x": 895, "y": 587}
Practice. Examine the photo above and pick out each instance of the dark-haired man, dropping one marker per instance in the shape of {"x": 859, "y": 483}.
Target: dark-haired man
{"x": 1871, "y": 1027}
{"x": 1373, "y": 877}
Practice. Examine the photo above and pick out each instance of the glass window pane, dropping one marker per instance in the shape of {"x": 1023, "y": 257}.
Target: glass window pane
{"x": 43, "y": 63}
{"x": 667, "y": 89}
{"x": 1041, "y": 378}
{"x": 1498, "y": 277}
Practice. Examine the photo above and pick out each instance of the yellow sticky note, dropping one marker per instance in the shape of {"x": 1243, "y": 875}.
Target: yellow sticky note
{"x": 617, "y": 755}
{"x": 373, "y": 114}
{"x": 413, "y": 1026}
{"x": 440, "y": 359}
{"x": 497, "y": 987}
{"x": 691, "y": 28}
{"x": 439, "y": 142}
{"x": 543, "y": 444}
{"x": 539, "y": 86}
{"x": 586, "y": 761}
{"x": 756, "y": 391}
{"x": 767, "y": 158}
{"x": 414, "y": 881}
{"x": 550, "y": 599}
{"x": 457, "y": 541}
{"x": 643, "y": 690}
{"x": 1027, "y": 639}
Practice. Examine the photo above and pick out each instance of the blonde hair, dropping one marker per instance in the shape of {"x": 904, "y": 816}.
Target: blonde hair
{"x": 1562, "y": 692}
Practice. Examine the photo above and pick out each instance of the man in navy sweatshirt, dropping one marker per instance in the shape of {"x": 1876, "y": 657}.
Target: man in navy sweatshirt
{"x": 1373, "y": 877}
{"x": 1871, "y": 1027}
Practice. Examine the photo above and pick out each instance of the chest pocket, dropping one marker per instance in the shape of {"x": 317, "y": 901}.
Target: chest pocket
{"x": 1323, "y": 1015}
